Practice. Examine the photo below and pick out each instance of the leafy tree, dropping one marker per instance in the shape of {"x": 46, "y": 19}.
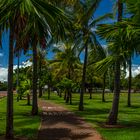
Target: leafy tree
{"x": 97, "y": 54}
{"x": 3, "y": 86}
{"x": 67, "y": 84}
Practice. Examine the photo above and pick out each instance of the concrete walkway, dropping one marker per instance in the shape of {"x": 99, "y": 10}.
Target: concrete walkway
{"x": 60, "y": 124}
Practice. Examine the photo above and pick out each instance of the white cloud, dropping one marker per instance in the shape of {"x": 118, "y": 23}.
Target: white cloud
{"x": 26, "y": 64}
{"x": 135, "y": 71}
{"x": 4, "y": 71}
{"x": 1, "y": 54}
{"x": 3, "y": 74}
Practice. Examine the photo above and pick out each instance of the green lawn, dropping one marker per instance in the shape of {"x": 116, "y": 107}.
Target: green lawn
{"x": 96, "y": 113}
{"x": 24, "y": 124}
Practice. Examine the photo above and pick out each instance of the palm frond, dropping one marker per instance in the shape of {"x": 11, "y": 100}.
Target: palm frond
{"x": 101, "y": 18}
{"x": 102, "y": 66}
{"x": 85, "y": 18}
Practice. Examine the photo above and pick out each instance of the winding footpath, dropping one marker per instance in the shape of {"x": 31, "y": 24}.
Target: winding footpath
{"x": 60, "y": 124}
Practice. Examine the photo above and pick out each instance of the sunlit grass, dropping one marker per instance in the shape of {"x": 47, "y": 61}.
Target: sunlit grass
{"x": 25, "y": 125}
{"x": 96, "y": 112}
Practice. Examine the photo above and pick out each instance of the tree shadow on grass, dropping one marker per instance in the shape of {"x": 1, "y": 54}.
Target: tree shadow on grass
{"x": 25, "y": 121}
{"x": 135, "y": 106}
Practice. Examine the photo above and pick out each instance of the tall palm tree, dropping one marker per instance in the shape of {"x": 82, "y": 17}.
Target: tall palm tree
{"x": 37, "y": 20}
{"x": 41, "y": 60}
{"x": 7, "y": 22}
{"x": 88, "y": 37}
{"x": 126, "y": 36}
{"x": 97, "y": 54}
{"x": 112, "y": 119}
{"x": 133, "y": 8}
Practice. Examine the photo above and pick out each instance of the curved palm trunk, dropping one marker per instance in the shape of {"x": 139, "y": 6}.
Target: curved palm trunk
{"x": 129, "y": 84}
{"x": 112, "y": 119}
{"x": 81, "y": 106}
{"x": 9, "y": 117}
{"x": 113, "y": 115}
{"x": 34, "y": 100}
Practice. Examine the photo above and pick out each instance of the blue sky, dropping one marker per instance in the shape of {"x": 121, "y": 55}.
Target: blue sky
{"x": 104, "y": 7}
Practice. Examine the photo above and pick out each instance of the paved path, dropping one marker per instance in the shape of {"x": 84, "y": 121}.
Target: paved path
{"x": 60, "y": 124}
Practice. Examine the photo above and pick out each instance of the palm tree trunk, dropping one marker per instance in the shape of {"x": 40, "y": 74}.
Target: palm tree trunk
{"x": 90, "y": 91}
{"x": 112, "y": 119}
{"x": 40, "y": 91}
{"x": 129, "y": 83}
{"x": 60, "y": 95}
{"x": 18, "y": 77}
{"x": 103, "y": 93}
{"x": 70, "y": 95}
{"x": 28, "y": 99}
{"x": 9, "y": 117}
{"x": 34, "y": 100}
{"x": 90, "y": 97}
{"x": 49, "y": 91}
{"x": 69, "y": 89}
{"x": 67, "y": 96}
{"x": 81, "y": 106}
{"x": 40, "y": 86}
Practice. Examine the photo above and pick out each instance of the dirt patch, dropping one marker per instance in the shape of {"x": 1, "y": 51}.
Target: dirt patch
{"x": 58, "y": 123}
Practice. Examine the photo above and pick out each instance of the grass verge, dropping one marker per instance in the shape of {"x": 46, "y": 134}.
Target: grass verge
{"x": 25, "y": 125}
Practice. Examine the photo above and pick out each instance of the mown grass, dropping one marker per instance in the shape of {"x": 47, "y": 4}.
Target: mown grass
{"x": 25, "y": 125}
{"x": 96, "y": 112}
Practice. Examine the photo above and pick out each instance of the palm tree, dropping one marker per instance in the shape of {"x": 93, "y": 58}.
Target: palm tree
{"x": 97, "y": 54}
{"x": 41, "y": 61}
{"x": 88, "y": 37}
{"x": 125, "y": 35}
{"x": 66, "y": 62}
{"x": 132, "y": 7}
{"x": 112, "y": 119}
{"x": 5, "y": 23}
{"x": 38, "y": 27}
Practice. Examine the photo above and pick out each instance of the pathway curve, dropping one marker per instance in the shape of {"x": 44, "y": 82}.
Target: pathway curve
{"x": 60, "y": 124}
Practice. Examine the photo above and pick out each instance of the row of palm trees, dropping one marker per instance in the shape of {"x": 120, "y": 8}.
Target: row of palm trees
{"x": 123, "y": 42}
{"x": 32, "y": 23}
{"x": 29, "y": 23}
{"x": 123, "y": 38}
